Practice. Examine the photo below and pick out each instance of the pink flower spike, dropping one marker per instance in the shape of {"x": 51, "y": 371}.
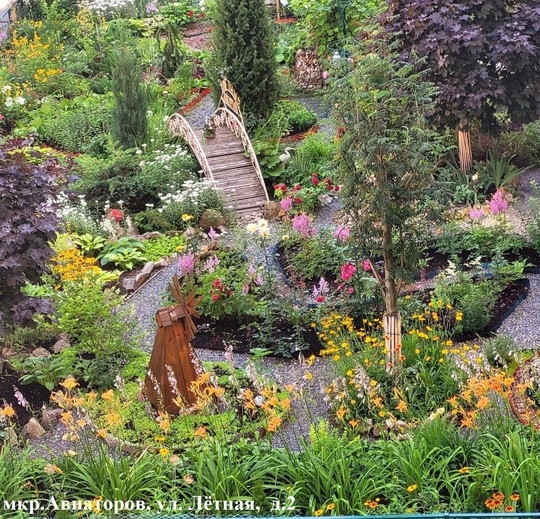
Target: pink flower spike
{"x": 475, "y": 214}
{"x": 286, "y": 204}
{"x": 186, "y": 264}
{"x": 302, "y": 224}
{"x": 342, "y": 233}
{"x": 498, "y": 203}
{"x": 347, "y": 271}
{"x": 212, "y": 234}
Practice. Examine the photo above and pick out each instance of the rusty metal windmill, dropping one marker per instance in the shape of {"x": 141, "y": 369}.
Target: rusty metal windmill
{"x": 173, "y": 364}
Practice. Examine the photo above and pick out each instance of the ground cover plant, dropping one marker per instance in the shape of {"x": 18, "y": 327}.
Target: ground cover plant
{"x": 322, "y": 414}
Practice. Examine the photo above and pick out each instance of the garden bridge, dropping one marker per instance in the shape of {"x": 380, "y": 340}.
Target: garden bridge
{"x": 226, "y": 154}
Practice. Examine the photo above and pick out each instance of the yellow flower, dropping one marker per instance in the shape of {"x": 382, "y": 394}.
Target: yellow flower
{"x": 51, "y": 469}
{"x": 8, "y": 411}
{"x": 330, "y": 506}
{"x": 200, "y": 432}
{"x": 412, "y": 488}
{"x": 70, "y": 383}
{"x": 459, "y": 316}
{"x": 417, "y": 351}
{"x": 464, "y": 470}
{"x": 163, "y": 452}
{"x": 108, "y": 395}
{"x": 318, "y": 512}
{"x": 402, "y": 406}
{"x": 187, "y": 217}
{"x": 308, "y": 376}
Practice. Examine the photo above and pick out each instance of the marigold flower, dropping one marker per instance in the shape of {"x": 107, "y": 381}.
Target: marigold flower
{"x": 412, "y": 488}
{"x": 514, "y": 497}
{"x": 509, "y": 509}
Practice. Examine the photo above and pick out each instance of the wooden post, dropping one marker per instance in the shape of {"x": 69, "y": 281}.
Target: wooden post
{"x": 173, "y": 364}
{"x": 464, "y": 148}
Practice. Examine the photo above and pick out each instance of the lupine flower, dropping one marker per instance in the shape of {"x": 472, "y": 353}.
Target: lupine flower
{"x": 186, "y": 264}
{"x": 498, "y": 203}
{"x": 302, "y": 224}
{"x": 342, "y": 233}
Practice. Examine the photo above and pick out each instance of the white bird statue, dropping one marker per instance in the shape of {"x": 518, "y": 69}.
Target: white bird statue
{"x": 285, "y": 157}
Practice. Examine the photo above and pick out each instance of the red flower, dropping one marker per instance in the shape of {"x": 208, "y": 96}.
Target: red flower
{"x": 190, "y": 14}
{"x": 216, "y": 283}
{"x": 215, "y": 297}
{"x": 319, "y": 299}
{"x": 298, "y": 187}
{"x": 116, "y": 215}
{"x": 315, "y": 179}
{"x": 1, "y": 117}
{"x": 337, "y": 188}
{"x": 280, "y": 188}
{"x": 297, "y": 200}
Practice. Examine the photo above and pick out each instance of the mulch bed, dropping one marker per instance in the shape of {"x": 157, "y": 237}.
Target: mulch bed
{"x": 216, "y": 335}
{"x": 35, "y": 394}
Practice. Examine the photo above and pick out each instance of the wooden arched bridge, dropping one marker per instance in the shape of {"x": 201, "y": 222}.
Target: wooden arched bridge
{"x": 228, "y": 159}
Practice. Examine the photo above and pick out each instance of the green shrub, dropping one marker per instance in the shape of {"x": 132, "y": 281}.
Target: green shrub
{"x": 299, "y": 118}
{"x": 79, "y": 126}
{"x": 524, "y": 144}
{"x": 162, "y": 247}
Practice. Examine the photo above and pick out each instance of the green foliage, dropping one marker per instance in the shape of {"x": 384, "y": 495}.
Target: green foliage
{"x": 533, "y": 225}
{"x": 499, "y": 169}
{"x": 524, "y": 144}
{"x": 130, "y": 124}
{"x": 120, "y": 478}
{"x": 79, "y": 125}
{"x": 322, "y": 24}
{"x": 244, "y": 53}
{"x": 474, "y": 299}
{"x": 47, "y": 371}
{"x": 307, "y": 259}
{"x": 388, "y": 153}
{"x": 158, "y": 248}
{"x": 125, "y": 253}
{"x": 89, "y": 244}
{"x": 17, "y": 478}
{"x": 297, "y": 118}
{"x": 500, "y": 351}
{"x": 268, "y": 153}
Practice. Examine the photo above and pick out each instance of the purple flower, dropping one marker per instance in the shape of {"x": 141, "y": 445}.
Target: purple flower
{"x": 302, "y": 224}
{"x": 186, "y": 264}
{"x": 498, "y": 204}
{"x": 342, "y": 233}
{"x": 475, "y": 214}
{"x": 286, "y": 204}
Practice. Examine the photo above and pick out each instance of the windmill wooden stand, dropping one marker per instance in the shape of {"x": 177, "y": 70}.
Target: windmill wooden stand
{"x": 173, "y": 364}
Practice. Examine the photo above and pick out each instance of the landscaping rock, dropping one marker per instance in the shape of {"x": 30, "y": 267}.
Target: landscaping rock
{"x": 32, "y": 430}
{"x": 211, "y": 218}
{"x": 163, "y": 262}
{"x": 127, "y": 285}
{"x": 272, "y": 210}
{"x": 61, "y": 344}
{"x": 151, "y": 235}
{"x": 50, "y": 418}
{"x": 41, "y": 352}
{"x": 12, "y": 439}
{"x": 148, "y": 268}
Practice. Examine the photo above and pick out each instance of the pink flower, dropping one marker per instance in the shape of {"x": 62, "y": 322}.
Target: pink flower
{"x": 286, "y": 204}
{"x": 1, "y": 117}
{"x": 321, "y": 289}
{"x": 342, "y": 233}
{"x": 212, "y": 234}
{"x": 498, "y": 203}
{"x": 186, "y": 264}
{"x": 325, "y": 75}
{"x": 350, "y": 290}
{"x": 347, "y": 271}
{"x": 475, "y": 214}
{"x": 366, "y": 265}
{"x": 302, "y": 224}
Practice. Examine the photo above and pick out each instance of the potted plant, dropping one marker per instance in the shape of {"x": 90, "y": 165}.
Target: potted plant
{"x": 209, "y": 129}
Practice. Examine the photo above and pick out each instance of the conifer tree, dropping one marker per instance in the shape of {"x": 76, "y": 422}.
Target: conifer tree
{"x": 130, "y": 123}
{"x": 244, "y": 53}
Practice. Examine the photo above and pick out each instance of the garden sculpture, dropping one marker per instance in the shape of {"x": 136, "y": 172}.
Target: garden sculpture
{"x": 173, "y": 364}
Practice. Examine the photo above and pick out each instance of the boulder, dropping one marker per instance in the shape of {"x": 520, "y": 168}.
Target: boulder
{"x": 32, "y": 429}
{"x": 272, "y": 210}
{"x": 50, "y": 418}
{"x": 211, "y": 218}
{"x": 127, "y": 285}
{"x": 41, "y": 352}
{"x": 151, "y": 235}
{"x": 61, "y": 344}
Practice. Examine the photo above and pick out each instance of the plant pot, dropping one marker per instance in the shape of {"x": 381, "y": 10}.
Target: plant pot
{"x": 209, "y": 134}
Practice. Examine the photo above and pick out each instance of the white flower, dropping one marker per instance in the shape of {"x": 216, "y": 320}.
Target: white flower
{"x": 9, "y": 102}
{"x": 20, "y": 100}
